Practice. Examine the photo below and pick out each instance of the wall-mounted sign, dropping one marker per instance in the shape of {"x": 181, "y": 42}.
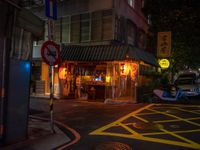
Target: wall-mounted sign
{"x": 164, "y": 44}
{"x": 164, "y": 63}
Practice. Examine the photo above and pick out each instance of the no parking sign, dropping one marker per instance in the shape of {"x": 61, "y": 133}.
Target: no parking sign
{"x": 50, "y": 53}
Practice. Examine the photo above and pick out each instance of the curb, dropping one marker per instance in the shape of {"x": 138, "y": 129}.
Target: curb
{"x": 73, "y": 135}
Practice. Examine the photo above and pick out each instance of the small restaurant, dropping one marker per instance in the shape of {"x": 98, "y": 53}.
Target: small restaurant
{"x": 101, "y": 72}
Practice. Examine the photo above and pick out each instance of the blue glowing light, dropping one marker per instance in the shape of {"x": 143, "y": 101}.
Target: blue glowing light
{"x": 27, "y": 65}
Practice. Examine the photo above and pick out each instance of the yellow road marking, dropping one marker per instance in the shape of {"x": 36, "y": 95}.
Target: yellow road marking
{"x": 149, "y": 113}
{"x": 179, "y": 118}
{"x": 135, "y": 135}
{"x": 163, "y": 141}
{"x": 144, "y": 120}
{"x": 159, "y": 133}
{"x": 171, "y": 133}
{"x": 176, "y": 105}
{"x": 130, "y": 130}
{"x": 180, "y": 137}
{"x": 188, "y": 111}
{"x": 120, "y": 120}
{"x": 175, "y": 120}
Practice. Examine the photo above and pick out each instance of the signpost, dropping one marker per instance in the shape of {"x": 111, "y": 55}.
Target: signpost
{"x": 51, "y": 55}
{"x": 50, "y": 50}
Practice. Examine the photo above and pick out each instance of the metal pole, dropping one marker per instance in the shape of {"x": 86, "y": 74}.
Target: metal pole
{"x": 51, "y": 71}
{"x": 51, "y": 78}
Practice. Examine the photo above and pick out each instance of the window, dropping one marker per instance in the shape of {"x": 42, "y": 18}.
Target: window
{"x": 131, "y": 32}
{"x": 57, "y": 31}
{"x": 85, "y": 27}
{"x": 21, "y": 44}
{"x": 75, "y": 29}
{"x": 66, "y": 30}
{"x": 107, "y": 21}
{"x": 141, "y": 39}
{"x": 117, "y": 28}
{"x": 96, "y": 26}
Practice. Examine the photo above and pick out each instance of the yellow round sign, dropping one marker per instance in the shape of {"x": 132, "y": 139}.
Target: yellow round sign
{"x": 164, "y": 63}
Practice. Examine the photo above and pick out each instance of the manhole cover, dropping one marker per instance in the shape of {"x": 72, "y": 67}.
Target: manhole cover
{"x": 147, "y": 126}
{"x": 112, "y": 146}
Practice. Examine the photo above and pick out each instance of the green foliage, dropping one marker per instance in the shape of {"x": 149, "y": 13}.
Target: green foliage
{"x": 182, "y": 18}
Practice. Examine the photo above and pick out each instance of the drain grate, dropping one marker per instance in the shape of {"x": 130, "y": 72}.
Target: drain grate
{"x": 112, "y": 146}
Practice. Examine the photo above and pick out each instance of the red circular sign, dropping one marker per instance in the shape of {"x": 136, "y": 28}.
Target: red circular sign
{"x": 50, "y": 53}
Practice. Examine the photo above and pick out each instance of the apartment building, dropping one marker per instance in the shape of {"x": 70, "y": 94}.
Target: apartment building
{"x": 103, "y": 49}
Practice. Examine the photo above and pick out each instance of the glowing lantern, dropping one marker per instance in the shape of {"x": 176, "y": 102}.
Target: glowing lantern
{"x": 125, "y": 69}
{"x": 62, "y": 73}
{"x": 134, "y": 71}
{"x": 164, "y": 63}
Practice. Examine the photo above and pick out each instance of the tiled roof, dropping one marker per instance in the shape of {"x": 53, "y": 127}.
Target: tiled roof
{"x": 105, "y": 53}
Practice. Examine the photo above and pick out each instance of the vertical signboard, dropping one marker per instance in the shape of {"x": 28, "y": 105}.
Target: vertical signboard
{"x": 164, "y": 44}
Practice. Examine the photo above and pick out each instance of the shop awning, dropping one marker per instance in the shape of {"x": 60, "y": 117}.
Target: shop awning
{"x": 142, "y": 55}
{"x": 105, "y": 53}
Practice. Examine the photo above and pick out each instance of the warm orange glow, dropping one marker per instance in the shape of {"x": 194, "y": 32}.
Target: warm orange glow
{"x": 134, "y": 71}
{"x": 62, "y": 73}
{"x": 125, "y": 69}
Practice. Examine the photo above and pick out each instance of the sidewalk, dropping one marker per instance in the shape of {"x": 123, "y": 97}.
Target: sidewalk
{"x": 40, "y": 137}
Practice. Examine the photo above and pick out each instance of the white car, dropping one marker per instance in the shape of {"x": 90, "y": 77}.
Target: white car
{"x": 188, "y": 85}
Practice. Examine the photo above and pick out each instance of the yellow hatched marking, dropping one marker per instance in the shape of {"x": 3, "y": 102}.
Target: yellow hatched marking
{"x": 178, "y": 105}
{"x": 142, "y": 119}
{"x": 130, "y": 130}
{"x": 134, "y": 135}
{"x": 149, "y": 113}
{"x": 175, "y": 120}
{"x": 180, "y": 137}
{"x": 179, "y": 118}
{"x": 151, "y": 139}
{"x": 120, "y": 120}
{"x": 171, "y": 133}
{"x": 160, "y": 133}
{"x": 188, "y": 111}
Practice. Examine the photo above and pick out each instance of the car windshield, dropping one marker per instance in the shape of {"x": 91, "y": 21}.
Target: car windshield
{"x": 185, "y": 81}
{"x": 187, "y": 76}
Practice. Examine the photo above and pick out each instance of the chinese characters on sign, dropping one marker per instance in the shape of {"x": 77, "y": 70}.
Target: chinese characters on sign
{"x": 164, "y": 44}
{"x": 164, "y": 63}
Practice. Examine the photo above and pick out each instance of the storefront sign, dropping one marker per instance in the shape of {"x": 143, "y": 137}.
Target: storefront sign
{"x": 164, "y": 44}
{"x": 164, "y": 63}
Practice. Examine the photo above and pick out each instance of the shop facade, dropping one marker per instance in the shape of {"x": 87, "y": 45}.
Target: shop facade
{"x": 99, "y": 73}
{"x": 104, "y": 47}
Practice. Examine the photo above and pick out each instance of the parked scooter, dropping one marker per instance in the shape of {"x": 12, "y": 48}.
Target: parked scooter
{"x": 167, "y": 96}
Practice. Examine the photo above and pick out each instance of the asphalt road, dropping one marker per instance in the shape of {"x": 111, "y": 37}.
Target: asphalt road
{"x": 141, "y": 126}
